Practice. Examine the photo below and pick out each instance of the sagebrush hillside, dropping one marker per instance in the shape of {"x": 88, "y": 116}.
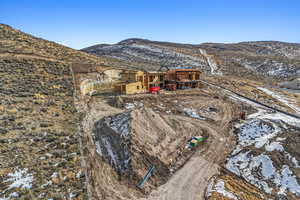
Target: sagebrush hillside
{"x": 256, "y": 60}
{"x": 19, "y": 44}
{"x": 38, "y": 120}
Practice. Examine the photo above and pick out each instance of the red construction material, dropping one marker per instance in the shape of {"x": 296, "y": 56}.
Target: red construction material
{"x": 154, "y": 89}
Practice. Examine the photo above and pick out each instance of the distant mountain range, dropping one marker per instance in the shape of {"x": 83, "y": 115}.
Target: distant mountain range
{"x": 255, "y": 60}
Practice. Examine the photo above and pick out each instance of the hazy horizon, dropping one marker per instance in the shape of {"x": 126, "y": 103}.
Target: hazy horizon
{"x": 82, "y": 24}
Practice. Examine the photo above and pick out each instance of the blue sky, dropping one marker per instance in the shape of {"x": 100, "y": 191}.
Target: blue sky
{"x": 80, "y": 23}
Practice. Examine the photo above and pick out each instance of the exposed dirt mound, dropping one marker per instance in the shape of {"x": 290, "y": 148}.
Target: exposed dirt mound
{"x": 134, "y": 141}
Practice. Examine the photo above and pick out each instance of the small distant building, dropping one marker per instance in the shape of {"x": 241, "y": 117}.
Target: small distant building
{"x": 90, "y": 79}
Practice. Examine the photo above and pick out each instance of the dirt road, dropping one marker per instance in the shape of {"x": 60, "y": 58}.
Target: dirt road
{"x": 191, "y": 180}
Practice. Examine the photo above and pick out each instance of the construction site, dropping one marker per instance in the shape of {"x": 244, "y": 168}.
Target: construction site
{"x": 119, "y": 127}
{"x": 142, "y": 127}
{"x": 159, "y": 135}
{"x": 134, "y": 82}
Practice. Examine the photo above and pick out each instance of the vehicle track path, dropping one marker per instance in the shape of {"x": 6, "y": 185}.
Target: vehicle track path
{"x": 191, "y": 180}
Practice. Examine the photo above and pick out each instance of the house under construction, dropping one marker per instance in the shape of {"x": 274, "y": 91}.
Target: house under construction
{"x": 133, "y": 82}
{"x": 182, "y": 78}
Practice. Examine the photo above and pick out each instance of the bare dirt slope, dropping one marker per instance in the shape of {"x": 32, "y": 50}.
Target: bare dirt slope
{"x": 174, "y": 113}
{"x": 190, "y": 181}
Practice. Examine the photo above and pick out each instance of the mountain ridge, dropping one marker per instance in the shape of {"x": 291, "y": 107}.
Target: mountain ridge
{"x": 255, "y": 59}
{"x": 128, "y": 40}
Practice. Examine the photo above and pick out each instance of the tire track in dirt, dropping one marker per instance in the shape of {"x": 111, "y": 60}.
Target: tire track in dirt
{"x": 191, "y": 180}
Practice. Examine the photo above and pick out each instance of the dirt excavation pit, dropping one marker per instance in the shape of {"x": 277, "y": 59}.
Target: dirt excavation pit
{"x": 124, "y": 136}
{"x": 200, "y": 104}
{"x": 134, "y": 141}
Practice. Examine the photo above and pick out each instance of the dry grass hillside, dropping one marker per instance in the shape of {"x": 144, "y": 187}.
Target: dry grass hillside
{"x": 38, "y": 121}
{"x": 18, "y": 44}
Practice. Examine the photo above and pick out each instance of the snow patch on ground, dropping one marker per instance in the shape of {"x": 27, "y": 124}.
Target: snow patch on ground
{"x": 219, "y": 187}
{"x": 110, "y": 152}
{"x": 256, "y": 132}
{"x": 120, "y": 124}
{"x": 111, "y": 136}
{"x": 261, "y": 131}
{"x": 209, "y": 188}
{"x": 275, "y": 117}
{"x": 131, "y": 106}
{"x": 211, "y": 62}
{"x": 260, "y": 171}
{"x": 21, "y": 178}
{"x": 281, "y": 98}
{"x": 274, "y": 146}
{"x": 192, "y": 113}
